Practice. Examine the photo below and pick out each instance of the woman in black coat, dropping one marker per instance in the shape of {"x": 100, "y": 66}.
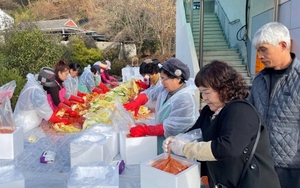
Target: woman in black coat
{"x": 229, "y": 127}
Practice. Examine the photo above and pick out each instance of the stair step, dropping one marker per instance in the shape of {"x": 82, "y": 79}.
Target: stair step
{"x": 223, "y": 57}
{"x": 230, "y": 62}
{"x": 220, "y": 52}
{"x": 213, "y": 47}
{"x": 207, "y": 29}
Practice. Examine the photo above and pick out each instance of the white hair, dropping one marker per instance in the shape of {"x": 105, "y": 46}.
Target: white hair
{"x": 272, "y": 33}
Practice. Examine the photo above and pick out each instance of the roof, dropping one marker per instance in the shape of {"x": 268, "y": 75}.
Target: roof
{"x": 54, "y": 25}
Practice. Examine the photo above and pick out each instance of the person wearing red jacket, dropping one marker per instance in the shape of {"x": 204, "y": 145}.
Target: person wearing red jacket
{"x": 176, "y": 110}
{"x": 56, "y": 95}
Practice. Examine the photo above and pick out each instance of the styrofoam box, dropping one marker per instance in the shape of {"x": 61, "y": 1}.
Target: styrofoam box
{"x": 94, "y": 177}
{"x": 11, "y": 144}
{"x": 108, "y": 131}
{"x": 134, "y": 150}
{"x": 15, "y": 179}
{"x": 90, "y": 149}
{"x": 153, "y": 177}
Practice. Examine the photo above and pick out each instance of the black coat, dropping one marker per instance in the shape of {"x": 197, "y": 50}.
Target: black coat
{"x": 233, "y": 133}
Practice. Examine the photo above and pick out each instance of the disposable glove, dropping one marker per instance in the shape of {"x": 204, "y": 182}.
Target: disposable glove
{"x": 78, "y": 99}
{"x": 166, "y": 144}
{"x": 142, "y": 84}
{"x": 103, "y": 87}
{"x": 177, "y": 144}
{"x": 69, "y": 103}
{"x": 71, "y": 112}
{"x": 80, "y": 94}
{"x": 151, "y": 130}
{"x": 55, "y": 119}
{"x": 97, "y": 90}
{"x": 136, "y": 103}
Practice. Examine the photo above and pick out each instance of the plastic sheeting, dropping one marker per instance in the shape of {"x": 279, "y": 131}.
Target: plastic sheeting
{"x": 55, "y": 175}
{"x": 93, "y": 176}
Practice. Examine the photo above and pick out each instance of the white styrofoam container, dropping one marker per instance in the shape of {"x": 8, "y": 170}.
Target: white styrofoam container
{"x": 94, "y": 177}
{"x": 153, "y": 177}
{"x": 88, "y": 149}
{"x": 108, "y": 131}
{"x": 13, "y": 179}
{"x": 11, "y": 144}
{"x": 134, "y": 150}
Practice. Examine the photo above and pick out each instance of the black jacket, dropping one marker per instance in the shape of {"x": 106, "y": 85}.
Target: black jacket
{"x": 233, "y": 133}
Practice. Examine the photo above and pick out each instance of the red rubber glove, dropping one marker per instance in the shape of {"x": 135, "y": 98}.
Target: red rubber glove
{"x": 136, "y": 103}
{"x": 63, "y": 105}
{"x": 75, "y": 98}
{"x": 81, "y": 94}
{"x": 115, "y": 84}
{"x": 142, "y": 84}
{"x": 69, "y": 103}
{"x": 97, "y": 90}
{"x": 143, "y": 130}
{"x": 103, "y": 87}
{"x": 71, "y": 112}
{"x": 55, "y": 119}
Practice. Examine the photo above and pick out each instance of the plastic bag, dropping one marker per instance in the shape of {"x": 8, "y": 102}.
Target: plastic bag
{"x": 9, "y": 173}
{"x": 121, "y": 118}
{"x": 7, "y": 90}
{"x": 191, "y": 136}
{"x": 7, "y": 122}
{"x": 94, "y": 175}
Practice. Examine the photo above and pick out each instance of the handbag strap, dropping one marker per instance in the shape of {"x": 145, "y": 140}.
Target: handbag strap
{"x": 253, "y": 149}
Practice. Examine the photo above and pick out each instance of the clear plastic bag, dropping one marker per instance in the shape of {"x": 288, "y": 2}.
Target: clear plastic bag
{"x": 121, "y": 118}
{"x": 94, "y": 175}
{"x": 7, "y": 90}
{"x": 7, "y": 122}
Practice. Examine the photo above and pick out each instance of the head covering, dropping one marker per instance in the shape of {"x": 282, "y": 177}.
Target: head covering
{"x": 46, "y": 77}
{"x": 103, "y": 65}
{"x": 108, "y": 64}
{"x": 97, "y": 67}
{"x": 176, "y": 68}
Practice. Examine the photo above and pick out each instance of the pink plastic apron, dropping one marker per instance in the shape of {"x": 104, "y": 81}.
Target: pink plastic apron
{"x": 61, "y": 94}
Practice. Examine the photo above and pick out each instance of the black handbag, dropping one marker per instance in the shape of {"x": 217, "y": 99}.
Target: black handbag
{"x": 219, "y": 185}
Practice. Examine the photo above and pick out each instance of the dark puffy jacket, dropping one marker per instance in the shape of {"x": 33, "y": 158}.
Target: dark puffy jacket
{"x": 281, "y": 113}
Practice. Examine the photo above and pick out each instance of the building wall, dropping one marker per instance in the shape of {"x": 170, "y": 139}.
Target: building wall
{"x": 262, "y": 12}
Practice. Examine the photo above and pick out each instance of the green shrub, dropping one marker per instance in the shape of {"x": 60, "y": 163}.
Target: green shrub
{"x": 30, "y": 49}
{"x": 116, "y": 68}
{"x": 7, "y": 75}
{"x": 81, "y": 54}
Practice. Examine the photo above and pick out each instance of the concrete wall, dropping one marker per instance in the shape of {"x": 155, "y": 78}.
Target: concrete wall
{"x": 185, "y": 48}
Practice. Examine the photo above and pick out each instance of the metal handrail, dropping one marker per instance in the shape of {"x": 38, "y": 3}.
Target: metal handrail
{"x": 191, "y": 14}
{"x": 275, "y": 16}
{"x": 200, "y": 57}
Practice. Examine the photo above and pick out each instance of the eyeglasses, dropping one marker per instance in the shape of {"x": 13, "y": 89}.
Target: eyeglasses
{"x": 164, "y": 79}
